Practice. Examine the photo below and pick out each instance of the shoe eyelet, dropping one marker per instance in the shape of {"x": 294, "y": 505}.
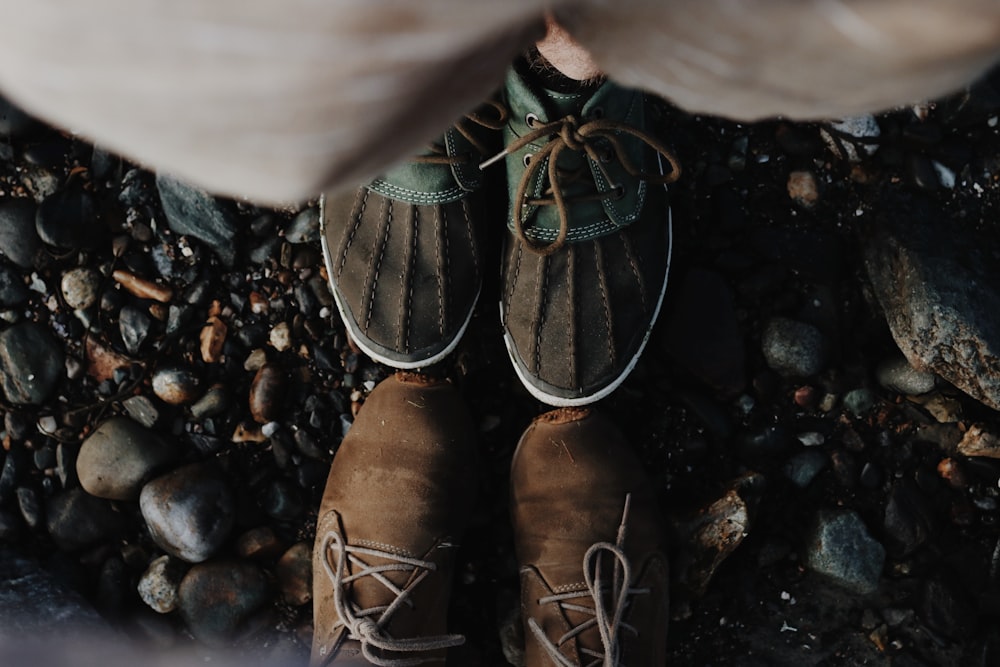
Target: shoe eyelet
{"x": 526, "y": 159}
{"x": 597, "y": 113}
{"x": 606, "y": 155}
{"x": 618, "y": 192}
{"x": 530, "y": 119}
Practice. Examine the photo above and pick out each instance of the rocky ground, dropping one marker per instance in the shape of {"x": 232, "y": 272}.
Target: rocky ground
{"x": 175, "y": 385}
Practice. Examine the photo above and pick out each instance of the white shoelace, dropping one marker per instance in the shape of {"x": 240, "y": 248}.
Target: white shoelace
{"x": 608, "y": 621}
{"x": 368, "y": 626}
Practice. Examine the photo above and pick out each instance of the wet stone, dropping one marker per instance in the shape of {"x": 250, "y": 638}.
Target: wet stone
{"x": 76, "y": 519}
{"x": 159, "y": 585}
{"x": 909, "y": 521}
{"x": 217, "y": 599}
{"x": 18, "y": 240}
{"x": 119, "y": 457}
{"x": 793, "y": 349}
{"x": 190, "y": 512}
{"x": 841, "y": 548}
{"x": 259, "y": 544}
{"x": 267, "y": 393}
{"x": 177, "y": 385}
{"x": 216, "y": 401}
{"x": 66, "y": 463}
{"x": 15, "y": 467}
{"x": 947, "y": 609}
{"x": 31, "y": 363}
{"x": 281, "y": 500}
{"x": 771, "y": 441}
{"x": 304, "y": 228}
{"x": 859, "y": 401}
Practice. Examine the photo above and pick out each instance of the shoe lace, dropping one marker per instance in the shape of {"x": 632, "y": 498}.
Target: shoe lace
{"x": 609, "y": 621}
{"x": 600, "y": 140}
{"x": 368, "y": 626}
{"x": 491, "y": 115}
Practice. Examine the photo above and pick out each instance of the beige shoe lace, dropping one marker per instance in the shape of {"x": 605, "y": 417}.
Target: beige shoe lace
{"x": 608, "y": 621}
{"x": 491, "y": 115}
{"x": 368, "y": 626}
{"x": 597, "y": 138}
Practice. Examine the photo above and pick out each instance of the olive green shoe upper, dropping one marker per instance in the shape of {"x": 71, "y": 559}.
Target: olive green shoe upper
{"x": 396, "y": 501}
{"x": 590, "y": 546}
{"x": 585, "y": 268}
{"x": 403, "y": 253}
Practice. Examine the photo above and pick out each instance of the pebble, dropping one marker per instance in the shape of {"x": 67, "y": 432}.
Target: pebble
{"x": 947, "y": 609}
{"x": 190, "y": 512}
{"x": 142, "y": 410}
{"x": 196, "y": 213}
{"x": 134, "y": 325}
{"x": 216, "y": 401}
{"x": 859, "y": 402}
{"x": 280, "y": 337}
{"x": 119, "y": 457}
{"x": 852, "y": 138}
{"x": 212, "y": 338}
{"x": 159, "y": 584}
{"x": 177, "y": 385}
{"x": 75, "y": 519}
{"x": 67, "y": 218}
{"x": 13, "y": 291}
{"x": 896, "y": 374}
{"x": 31, "y": 363}
{"x": 14, "y": 467}
{"x": 142, "y": 288}
{"x": 803, "y": 189}
{"x": 19, "y": 241}
{"x": 304, "y": 228}
{"x": 281, "y": 500}
{"x": 978, "y": 441}
{"x": 802, "y": 468}
{"x": 31, "y": 508}
{"x": 792, "y": 348}
{"x": 216, "y": 599}
{"x": 840, "y": 547}
{"x": 294, "y": 572}
{"x": 80, "y": 287}
{"x": 267, "y": 393}
{"x": 259, "y": 544}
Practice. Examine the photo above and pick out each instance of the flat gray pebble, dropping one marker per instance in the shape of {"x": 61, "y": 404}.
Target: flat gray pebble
{"x": 119, "y": 457}
{"x": 896, "y": 374}
{"x": 841, "y": 548}
{"x": 18, "y": 239}
{"x": 31, "y": 363}
{"x": 216, "y": 599}
{"x": 76, "y": 519}
{"x": 794, "y": 349}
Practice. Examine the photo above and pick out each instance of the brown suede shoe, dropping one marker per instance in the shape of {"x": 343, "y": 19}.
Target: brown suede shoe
{"x": 397, "y": 498}
{"x": 590, "y": 546}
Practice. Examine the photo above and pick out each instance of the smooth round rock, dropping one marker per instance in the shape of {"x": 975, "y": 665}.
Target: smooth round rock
{"x": 266, "y": 393}
{"x": 68, "y": 219}
{"x": 190, "y": 512}
{"x": 896, "y": 374}
{"x": 31, "y": 363}
{"x": 19, "y": 241}
{"x": 304, "y": 228}
{"x": 841, "y": 548}
{"x": 119, "y": 457}
{"x": 217, "y": 599}
{"x": 793, "y": 349}
{"x": 76, "y": 519}
{"x": 80, "y": 287}
{"x": 176, "y": 385}
{"x": 294, "y": 572}
{"x": 160, "y": 584}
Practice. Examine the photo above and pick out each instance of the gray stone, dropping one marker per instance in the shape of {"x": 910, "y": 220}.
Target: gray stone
{"x": 940, "y": 294}
{"x": 859, "y": 401}
{"x": 119, "y": 457}
{"x": 177, "y": 385}
{"x": 159, "y": 585}
{"x": 142, "y": 410}
{"x": 76, "y": 519}
{"x": 31, "y": 363}
{"x": 190, "y": 512}
{"x": 80, "y": 286}
{"x": 196, "y": 213}
{"x": 304, "y": 228}
{"x": 840, "y": 547}
{"x": 896, "y": 374}
{"x": 68, "y": 219}
{"x": 217, "y": 599}
{"x": 31, "y": 508}
{"x": 134, "y": 325}
{"x": 215, "y": 402}
{"x": 792, "y": 348}
{"x": 18, "y": 239}
{"x": 804, "y": 466}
